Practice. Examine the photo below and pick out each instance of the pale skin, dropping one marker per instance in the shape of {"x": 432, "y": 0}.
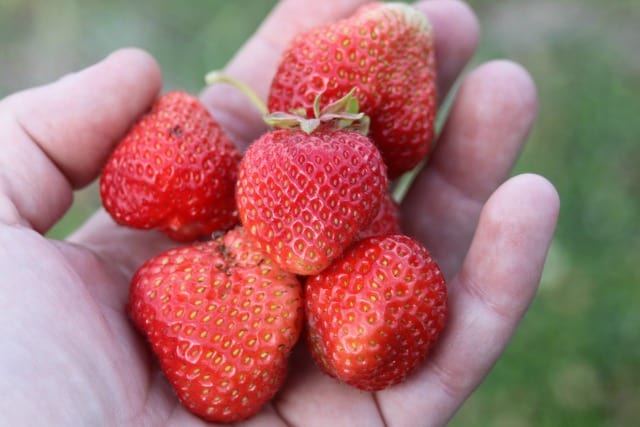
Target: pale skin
{"x": 69, "y": 353}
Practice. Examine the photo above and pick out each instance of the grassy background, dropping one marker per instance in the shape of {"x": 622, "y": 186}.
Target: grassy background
{"x": 576, "y": 358}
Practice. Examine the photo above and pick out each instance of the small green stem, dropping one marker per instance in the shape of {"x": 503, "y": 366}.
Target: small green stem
{"x": 215, "y": 77}
{"x": 403, "y": 184}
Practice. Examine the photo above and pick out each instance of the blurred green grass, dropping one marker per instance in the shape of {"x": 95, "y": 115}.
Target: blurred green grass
{"x": 576, "y": 358}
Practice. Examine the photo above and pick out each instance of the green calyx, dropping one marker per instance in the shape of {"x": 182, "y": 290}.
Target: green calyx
{"x": 341, "y": 114}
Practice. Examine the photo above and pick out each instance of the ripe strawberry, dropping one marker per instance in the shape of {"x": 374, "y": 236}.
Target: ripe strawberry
{"x": 222, "y": 319}
{"x": 175, "y": 170}
{"x": 385, "y": 51}
{"x": 387, "y": 221}
{"x": 374, "y": 314}
{"x": 305, "y": 197}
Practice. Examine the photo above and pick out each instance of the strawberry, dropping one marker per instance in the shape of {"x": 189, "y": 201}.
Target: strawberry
{"x": 386, "y": 221}
{"x": 221, "y": 319}
{"x": 374, "y": 314}
{"x": 175, "y": 170}
{"x": 386, "y": 52}
{"x": 305, "y": 196}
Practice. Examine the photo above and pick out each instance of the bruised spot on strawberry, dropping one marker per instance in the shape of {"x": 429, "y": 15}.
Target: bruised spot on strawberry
{"x": 176, "y": 131}
{"x": 175, "y": 170}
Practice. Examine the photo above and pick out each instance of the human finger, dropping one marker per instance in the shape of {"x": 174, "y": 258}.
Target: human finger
{"x": 455, "y": 29}
{"x": 59, "y": 135}
{"x": 485, "y": 131}
{"x": 488, "y": 299}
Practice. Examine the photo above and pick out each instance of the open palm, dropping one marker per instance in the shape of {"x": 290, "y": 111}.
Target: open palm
{"x": 69, "y": 355}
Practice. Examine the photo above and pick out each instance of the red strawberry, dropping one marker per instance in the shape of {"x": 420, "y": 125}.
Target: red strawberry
{"x": 175, "y": 170}
{"x": 385, "y": 51}
{"x": 387, "y": 221}
{"x": 222, "y": 319}
{"x": 306, "y": 196}
{"x": 374, "y": 314}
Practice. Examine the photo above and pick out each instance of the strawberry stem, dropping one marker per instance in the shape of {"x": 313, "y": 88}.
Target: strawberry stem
{"x": 403, "y": 183}
{"x": 215, "y": 77}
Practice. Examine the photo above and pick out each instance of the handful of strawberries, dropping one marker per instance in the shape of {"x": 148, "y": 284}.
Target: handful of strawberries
{"x": 298, "y": 236}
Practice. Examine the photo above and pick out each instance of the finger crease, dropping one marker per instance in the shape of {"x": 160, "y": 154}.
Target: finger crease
{"x": 476, "y": 290}
{"x": 376, "y": 401}
{"x": 25, "y": 129}
{"x": 281, "y": 416}
{"x": 464, "y": 193}
{"x": 451, "y": 383}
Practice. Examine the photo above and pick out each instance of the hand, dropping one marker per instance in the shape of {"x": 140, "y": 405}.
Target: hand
{"x": 71, "y": 357}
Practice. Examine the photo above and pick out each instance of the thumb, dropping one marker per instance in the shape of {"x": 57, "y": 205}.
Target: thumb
{"x": 57, "y": 137}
